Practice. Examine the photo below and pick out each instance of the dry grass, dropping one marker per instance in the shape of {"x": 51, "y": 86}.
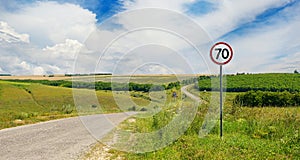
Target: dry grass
{"x": 38, "y": 77}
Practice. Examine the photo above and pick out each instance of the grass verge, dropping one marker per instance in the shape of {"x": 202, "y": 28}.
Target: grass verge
{"x": 249, "y": 133}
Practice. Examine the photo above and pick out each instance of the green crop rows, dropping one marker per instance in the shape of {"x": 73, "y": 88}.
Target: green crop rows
{"x": 274, "y": 82}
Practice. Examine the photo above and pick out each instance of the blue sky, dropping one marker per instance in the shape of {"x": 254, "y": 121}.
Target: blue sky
{"x": 42, "y": 37}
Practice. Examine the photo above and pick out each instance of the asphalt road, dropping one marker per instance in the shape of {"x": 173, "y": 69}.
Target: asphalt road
{"x": 57, "y": 139}
{"x": 60, "y": 139}
{"x": 192, "y": 96}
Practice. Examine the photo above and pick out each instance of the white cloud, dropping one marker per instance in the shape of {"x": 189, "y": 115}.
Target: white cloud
{"x": 38, "y": 71}
{"x": 24, "y": 65}
{"x": 66, "y": 50}
{"x": 232, "y": 13}
{"x": 49, "y": 23}
{"x": 8, "y": 34}
{"x": 58, "y": 30}
{"x": 272, "y": 47}
{"x": 25, "y": 59}
{"x": 229, "y": 15}
{"x": 145, "y": 28}
{"x": 288, "y": 63}
{"x": 177, "y": 5}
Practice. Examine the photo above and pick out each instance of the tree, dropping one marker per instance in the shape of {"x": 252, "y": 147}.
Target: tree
{"x": 296, "y": 72}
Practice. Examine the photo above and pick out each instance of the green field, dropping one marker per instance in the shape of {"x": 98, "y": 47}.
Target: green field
{"x": 25, "y": 103}
{"x": 264, "y": 82}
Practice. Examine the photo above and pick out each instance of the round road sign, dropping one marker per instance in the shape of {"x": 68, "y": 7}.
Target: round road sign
{"x": 221, "y": 53}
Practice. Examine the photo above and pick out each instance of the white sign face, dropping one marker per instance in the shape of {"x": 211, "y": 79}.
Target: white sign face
{"x": 221, "y": 53}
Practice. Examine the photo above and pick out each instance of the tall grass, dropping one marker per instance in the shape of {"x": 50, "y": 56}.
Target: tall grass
{"x": 249, "y": 133}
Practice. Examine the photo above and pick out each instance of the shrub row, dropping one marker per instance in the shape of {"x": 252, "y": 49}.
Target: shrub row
{"x": 262, "y": 99}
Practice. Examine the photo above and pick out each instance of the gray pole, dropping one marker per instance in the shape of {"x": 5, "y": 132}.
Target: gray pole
{"x": 221, "y": 101}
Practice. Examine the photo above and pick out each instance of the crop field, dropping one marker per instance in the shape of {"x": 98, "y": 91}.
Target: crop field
{"x": 274, "y": 82}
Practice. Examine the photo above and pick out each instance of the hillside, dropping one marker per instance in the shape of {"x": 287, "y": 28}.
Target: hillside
{"x": 25, "y": 103}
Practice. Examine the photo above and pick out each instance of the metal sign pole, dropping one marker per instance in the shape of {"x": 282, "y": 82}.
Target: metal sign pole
{"x": 221, "y": 53}
{"x": 221, "y": 101}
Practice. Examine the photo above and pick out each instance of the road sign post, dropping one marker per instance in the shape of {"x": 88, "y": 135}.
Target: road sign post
{"x": 221, "y": 53}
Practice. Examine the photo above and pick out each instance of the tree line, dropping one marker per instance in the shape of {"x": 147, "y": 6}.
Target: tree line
{"x": 99, "y": 85}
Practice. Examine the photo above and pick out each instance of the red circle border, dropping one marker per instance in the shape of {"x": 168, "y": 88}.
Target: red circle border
{"x": 211, "y": 51}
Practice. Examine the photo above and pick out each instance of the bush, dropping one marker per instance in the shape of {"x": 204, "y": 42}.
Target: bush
{"x": 143, "y": 109}
{"x": 262, "y": 99}
{"x": 133, "y": 108}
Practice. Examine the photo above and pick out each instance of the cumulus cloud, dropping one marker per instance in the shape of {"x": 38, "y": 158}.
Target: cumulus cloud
{"x": 49, "y": 23}
{"x": 66, "y": 50}
{"x": 47, "y": 35}
{"x": 56, "y": 32}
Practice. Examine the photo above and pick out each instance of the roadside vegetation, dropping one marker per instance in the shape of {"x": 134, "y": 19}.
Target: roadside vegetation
{"x": 261, "y": 121}
{"x": 249, "y": 133}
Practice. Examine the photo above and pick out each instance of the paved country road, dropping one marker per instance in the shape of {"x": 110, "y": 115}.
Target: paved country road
{"x": 192, "y": 96}
{"x": 60, "y": 139}
{"x": 57, "y": 139}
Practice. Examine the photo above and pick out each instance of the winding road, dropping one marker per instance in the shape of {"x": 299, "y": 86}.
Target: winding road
{"x": 192, "y": 96}
{"x": 60, "y": 139}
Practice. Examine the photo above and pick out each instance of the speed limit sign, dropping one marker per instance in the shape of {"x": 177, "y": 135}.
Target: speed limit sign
{"x": 221, "y": 53}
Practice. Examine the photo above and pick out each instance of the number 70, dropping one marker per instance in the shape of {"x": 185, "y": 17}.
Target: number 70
{"x": 224, "y": 51}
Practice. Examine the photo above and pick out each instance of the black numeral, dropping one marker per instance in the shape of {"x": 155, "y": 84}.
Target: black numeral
{"x": 225, "y": 53}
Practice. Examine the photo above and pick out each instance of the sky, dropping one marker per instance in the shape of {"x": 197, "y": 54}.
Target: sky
{"x": 147, "y": 36}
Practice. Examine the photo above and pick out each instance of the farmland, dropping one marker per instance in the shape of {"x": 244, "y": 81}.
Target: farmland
{"x": 264, "y": 82}
{"x": 267, "y": 129}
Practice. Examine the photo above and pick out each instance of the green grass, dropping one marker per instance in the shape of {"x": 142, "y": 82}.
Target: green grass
{"x": 26, "y": 103}
{"x": 249, "y": 133}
